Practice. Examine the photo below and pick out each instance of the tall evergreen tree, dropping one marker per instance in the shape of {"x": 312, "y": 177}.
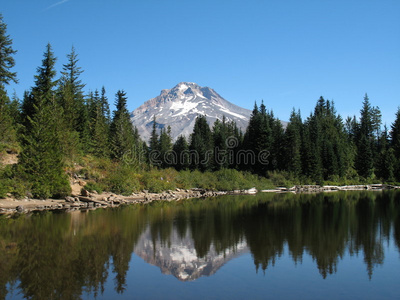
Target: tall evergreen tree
{"x": 201, "y": 143}
{"x": 75, "y": 116}
{"x": 264, "y": 139}
{"x": 105, "y": 107}
{"x": 71, "y": 88}
{"x": 41, "y": 160}
{"x": 395, "y": 142}
{"x": 15, "y": 109}
{"x": 386, "y": 161}
{"x": 165, "y": 143}
{"x": 98, "y": 125}
{"x": 154, "y": 141}
{"x": 220, "y": 135}
{"x": 311, "y": 150}
{"x": 277, "y": 144}
{"x": 123, "y": 138}
{"x": 253, "y": 140}
{"x": 293, "y": 144}
{"x": 7, "y": 61}
{"x": 234, "y": 143}
{"x": 395, "y": 134}
{"x": 180, "y": 149}
{"x": 8, "y": 132}
{"x": 365, "y": 155}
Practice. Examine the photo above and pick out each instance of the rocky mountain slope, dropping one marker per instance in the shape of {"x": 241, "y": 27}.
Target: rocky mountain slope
{"x": 178, "y": 107}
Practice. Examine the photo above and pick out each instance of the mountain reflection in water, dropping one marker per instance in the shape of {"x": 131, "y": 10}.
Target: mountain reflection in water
{"x": 64, "y": 255}
{"x": 179, "y": 258}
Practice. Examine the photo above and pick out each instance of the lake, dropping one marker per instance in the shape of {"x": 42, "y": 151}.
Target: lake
{"x": 343, "y": 245}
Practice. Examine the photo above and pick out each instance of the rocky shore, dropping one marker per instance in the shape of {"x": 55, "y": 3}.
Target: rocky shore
{"x": 88, "y": 201}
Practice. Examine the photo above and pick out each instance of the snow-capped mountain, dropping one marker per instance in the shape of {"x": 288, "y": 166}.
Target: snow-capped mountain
{"x": 178, "y": 107}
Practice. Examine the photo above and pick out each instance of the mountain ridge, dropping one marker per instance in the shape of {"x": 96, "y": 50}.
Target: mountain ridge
{"x": 179, "y": 106}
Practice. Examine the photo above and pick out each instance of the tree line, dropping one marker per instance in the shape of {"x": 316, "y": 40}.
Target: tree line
{"x": 322, "y": 147}
{"x": 56, "y": 124}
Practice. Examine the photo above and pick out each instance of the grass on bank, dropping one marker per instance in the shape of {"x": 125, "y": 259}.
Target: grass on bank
{"x": 125, "y": 179}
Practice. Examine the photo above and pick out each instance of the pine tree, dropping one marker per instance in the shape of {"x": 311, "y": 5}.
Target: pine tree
{"x": 351, "y": 128}
{"x": 234, "y": 143}
{"x": 395, "y": 143}
{"x": 386, "y": 161}
{"x": 277, "y": 145}
{"x": 154, "y": 142}
{"x": 264, "y": 140}
{"x": 165, "y": 143}
{"x": 180, "y": 150}
{"x": 27, "y": 107}
{"x": 98, "y": 125}
{"x": 7, "y": 61}
{"x": 293, "y": 144}
{"x": 41, "y": 161}
{"x": 365, "y": 154}
{"x": 253, "y": 139}
{"x": 70, "y": 95}
{"x": 312, "y": 165}
{"x": 10, "y": 119}
{"x": 105, "y": 107}
{"x": 71, "y": 91}
{"x": 123, "y": 138}
{"x": 15, "y": 110}
{"x": 220, "y": 135}
{"x": 201, "y": 143}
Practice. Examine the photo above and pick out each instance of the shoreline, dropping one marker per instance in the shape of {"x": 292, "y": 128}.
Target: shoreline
{"x": 91, "y": 201}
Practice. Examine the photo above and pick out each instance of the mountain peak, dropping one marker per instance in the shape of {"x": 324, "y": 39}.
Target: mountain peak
{"x": 186, "y": 88}
{"x": 179, "y": 106}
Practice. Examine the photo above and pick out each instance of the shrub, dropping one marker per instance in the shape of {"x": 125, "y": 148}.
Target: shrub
{"x": 156, "y": 181}
{"x": 123, "y": 180}
{"x": 92, "y": 186}
{"x": 10, "y": 183}
{"x": 282, "y": 178}
{"x": 4, "y": 188}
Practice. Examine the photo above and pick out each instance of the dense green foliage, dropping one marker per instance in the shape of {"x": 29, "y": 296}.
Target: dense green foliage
{"x": 57, "y": 130}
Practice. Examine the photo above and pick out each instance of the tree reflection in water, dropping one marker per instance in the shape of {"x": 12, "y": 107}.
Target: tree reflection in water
{"x": 63, "y": 255}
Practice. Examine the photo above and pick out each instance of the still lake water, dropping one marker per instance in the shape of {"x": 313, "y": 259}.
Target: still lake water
{"x": 343, "y": 245}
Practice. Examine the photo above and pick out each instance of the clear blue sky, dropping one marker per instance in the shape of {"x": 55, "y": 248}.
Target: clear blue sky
{"x": 287, "y": 53}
